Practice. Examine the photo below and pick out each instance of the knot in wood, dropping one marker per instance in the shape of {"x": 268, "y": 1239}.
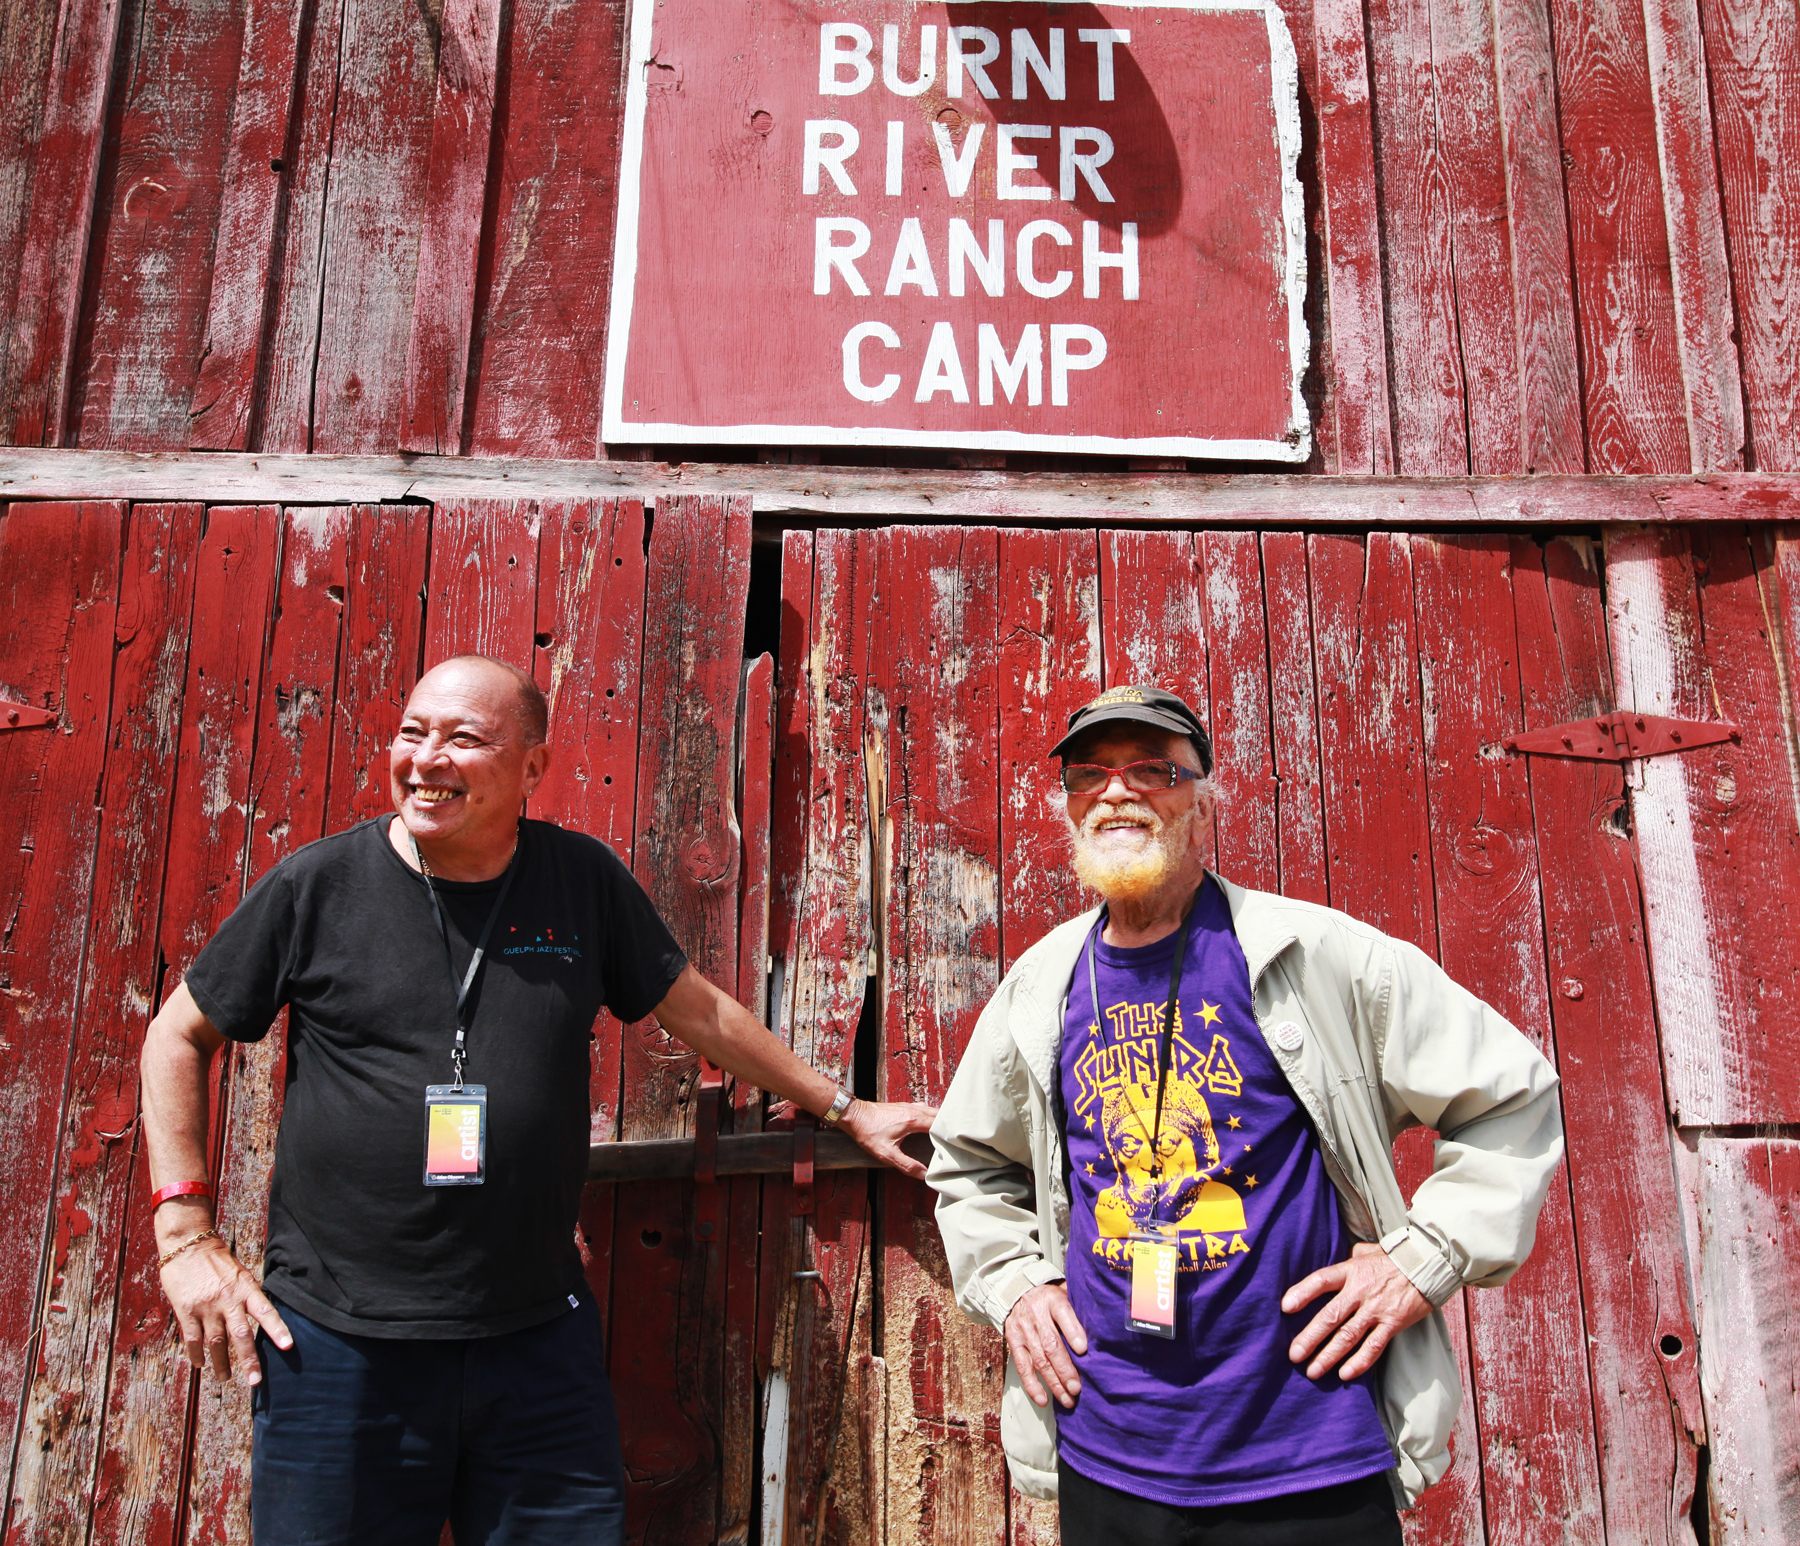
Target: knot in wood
{"x": 711, "y": 862}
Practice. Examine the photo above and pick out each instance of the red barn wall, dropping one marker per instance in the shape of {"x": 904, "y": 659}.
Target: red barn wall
{"x": 1554, "y": 238}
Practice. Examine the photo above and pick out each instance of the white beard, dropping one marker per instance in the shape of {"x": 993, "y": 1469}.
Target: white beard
{"x": 1135, "y": 873}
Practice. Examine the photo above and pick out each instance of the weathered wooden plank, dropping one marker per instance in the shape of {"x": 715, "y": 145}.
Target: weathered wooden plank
{"x": 741, "y": 1208}
{"x": 481, "y": 597}
{"x": 1748, "y": 1261}
{"x": 1462, "y": 37}
{"x": 1361, "y": 436}
{"x": 1293, "y": 718}
{"x": 147, "y": 1444}
{"x": 1540, "y": 1471}
{"x": 1753, "y": 80}
{"x": 288, "y": 790}
{"x": 687, "y": 855}
{"x": 589, "y": 642}
{"x": 443, "y": 305}
{"x": 1783, "y": 585}
{"x": 1049, "y": 665}
{"x": 210, "y": 828}
{"x": 153, "y": 244}
{"x": 1018, "y": 497}
{"x": 1152, "y": 630}
{"x": 1641, "y": 1345}
{"x": 1635, "y": 406}
{"x": 827, "y": 796}
{"x": 1237, "y": 672}
{"x": 933, "y": 722}
{"x": 539, "y": 330}
{"x": 1365, "y": 653}
{"x": 59, "y": 587}
{"x": 1419, "y": 255}
{"x": 281, "y": 412}
{"x": 688, "y": 843}
{"x": 256, "y": 151}
{"x": 384, "y": 622}
{"x": 1549, "y": 375}
{"x": 1716, "y": 828}
{"x": 590, "y": 621}
{"x": 27, "y": 35}
{"x": 1698, "y": 262}
{"x": 589, "y": 653}
{"x": 1746, "y": 809}
{"x": 343, "y": 308}
{"x": 39, "y": 359}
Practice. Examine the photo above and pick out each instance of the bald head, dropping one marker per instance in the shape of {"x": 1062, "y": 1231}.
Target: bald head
{"x": 529, "y": 709}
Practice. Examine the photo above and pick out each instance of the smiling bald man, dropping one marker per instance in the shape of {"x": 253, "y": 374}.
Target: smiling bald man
{"x": 423, "y": 1345}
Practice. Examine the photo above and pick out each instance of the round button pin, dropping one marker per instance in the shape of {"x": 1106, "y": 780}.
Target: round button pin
{"x": 1289, "y": 1036}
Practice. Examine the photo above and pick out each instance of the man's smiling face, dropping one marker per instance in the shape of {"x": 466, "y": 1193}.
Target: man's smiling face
{"x": 1129, "y": 845}
{"x": 460, "y": 766}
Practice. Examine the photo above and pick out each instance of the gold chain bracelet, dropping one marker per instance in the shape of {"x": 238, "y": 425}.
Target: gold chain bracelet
{"x": 192, "y": 1240}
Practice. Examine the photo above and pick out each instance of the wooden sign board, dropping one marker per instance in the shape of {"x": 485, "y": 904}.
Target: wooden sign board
{"x": 1008, "y": 226}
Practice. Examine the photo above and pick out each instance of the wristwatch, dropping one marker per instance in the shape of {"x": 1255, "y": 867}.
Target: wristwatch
{"x": 840, "y": 1103}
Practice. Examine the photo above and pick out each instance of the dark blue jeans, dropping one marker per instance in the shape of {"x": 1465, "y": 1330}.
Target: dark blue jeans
{"x": 512, "y": 1439}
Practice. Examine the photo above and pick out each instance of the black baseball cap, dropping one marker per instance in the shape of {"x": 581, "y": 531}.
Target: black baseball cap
{"x": 1141, "y": 706}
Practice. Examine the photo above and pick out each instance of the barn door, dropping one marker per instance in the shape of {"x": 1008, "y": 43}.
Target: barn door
{"x": 1361, "y": 691}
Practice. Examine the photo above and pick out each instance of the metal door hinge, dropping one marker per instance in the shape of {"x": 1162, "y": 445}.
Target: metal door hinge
{"x": 22, "y": 716}
{"x": 1620, "y": 736}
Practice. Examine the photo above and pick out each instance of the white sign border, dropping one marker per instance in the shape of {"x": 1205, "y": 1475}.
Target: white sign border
{"x": 615, "y": 428}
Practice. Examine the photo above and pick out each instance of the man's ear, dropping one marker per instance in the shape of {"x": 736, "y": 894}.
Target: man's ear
{"x": 1205, "y": 806}
{"x": 537, "y": 764}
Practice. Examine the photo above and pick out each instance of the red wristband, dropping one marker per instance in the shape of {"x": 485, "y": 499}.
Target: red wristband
{"x": 179, "y": 1189}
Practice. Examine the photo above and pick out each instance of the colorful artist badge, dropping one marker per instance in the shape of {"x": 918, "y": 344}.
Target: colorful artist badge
{"x": 455, "y": 1135}
{"x": 1155, "y": 1260}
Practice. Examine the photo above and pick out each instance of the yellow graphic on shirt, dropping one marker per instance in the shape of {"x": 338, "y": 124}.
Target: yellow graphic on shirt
{"x": 1187, "y": 1180}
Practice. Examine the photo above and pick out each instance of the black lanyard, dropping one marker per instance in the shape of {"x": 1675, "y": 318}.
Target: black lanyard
{"x": 1166, "y": 1045}
{"x": 462, "y": 986}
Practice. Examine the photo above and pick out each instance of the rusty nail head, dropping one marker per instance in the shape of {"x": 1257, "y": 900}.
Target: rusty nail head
{"x": 12, "y": 716}
{"x": 1675, "y": 735}
{"x": 1568, "y": 740}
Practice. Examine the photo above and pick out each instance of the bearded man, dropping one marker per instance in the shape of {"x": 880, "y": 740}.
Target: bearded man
{"x": 1287, "y": 1354}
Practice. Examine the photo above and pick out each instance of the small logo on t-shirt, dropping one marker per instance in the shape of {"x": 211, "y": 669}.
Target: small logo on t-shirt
{"x": 541, "y": 942}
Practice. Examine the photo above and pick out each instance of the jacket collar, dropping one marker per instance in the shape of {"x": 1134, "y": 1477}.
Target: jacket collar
{"x": 1042, "y": 992}
{"x": 1262, "y": 933}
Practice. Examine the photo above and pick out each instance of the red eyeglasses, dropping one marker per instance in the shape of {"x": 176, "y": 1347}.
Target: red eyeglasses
{"x": 1145, "y": 777}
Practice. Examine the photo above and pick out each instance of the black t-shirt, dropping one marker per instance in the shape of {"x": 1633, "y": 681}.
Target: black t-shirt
{"x": 342, "y": 933}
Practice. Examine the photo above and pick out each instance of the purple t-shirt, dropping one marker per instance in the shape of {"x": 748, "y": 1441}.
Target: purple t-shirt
{"x": 1217, "y": 1415}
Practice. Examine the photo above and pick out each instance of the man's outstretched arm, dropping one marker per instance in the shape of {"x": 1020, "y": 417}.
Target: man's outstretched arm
{"x": 218, "y": 1302}
{"x": 719, "y": 1028}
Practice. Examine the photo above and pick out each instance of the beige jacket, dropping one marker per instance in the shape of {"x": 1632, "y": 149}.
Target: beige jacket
{"x": 1374, "y": 1038}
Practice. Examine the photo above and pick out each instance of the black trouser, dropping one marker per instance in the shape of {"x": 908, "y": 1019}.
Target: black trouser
{"x": 1359, "y": 1513}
